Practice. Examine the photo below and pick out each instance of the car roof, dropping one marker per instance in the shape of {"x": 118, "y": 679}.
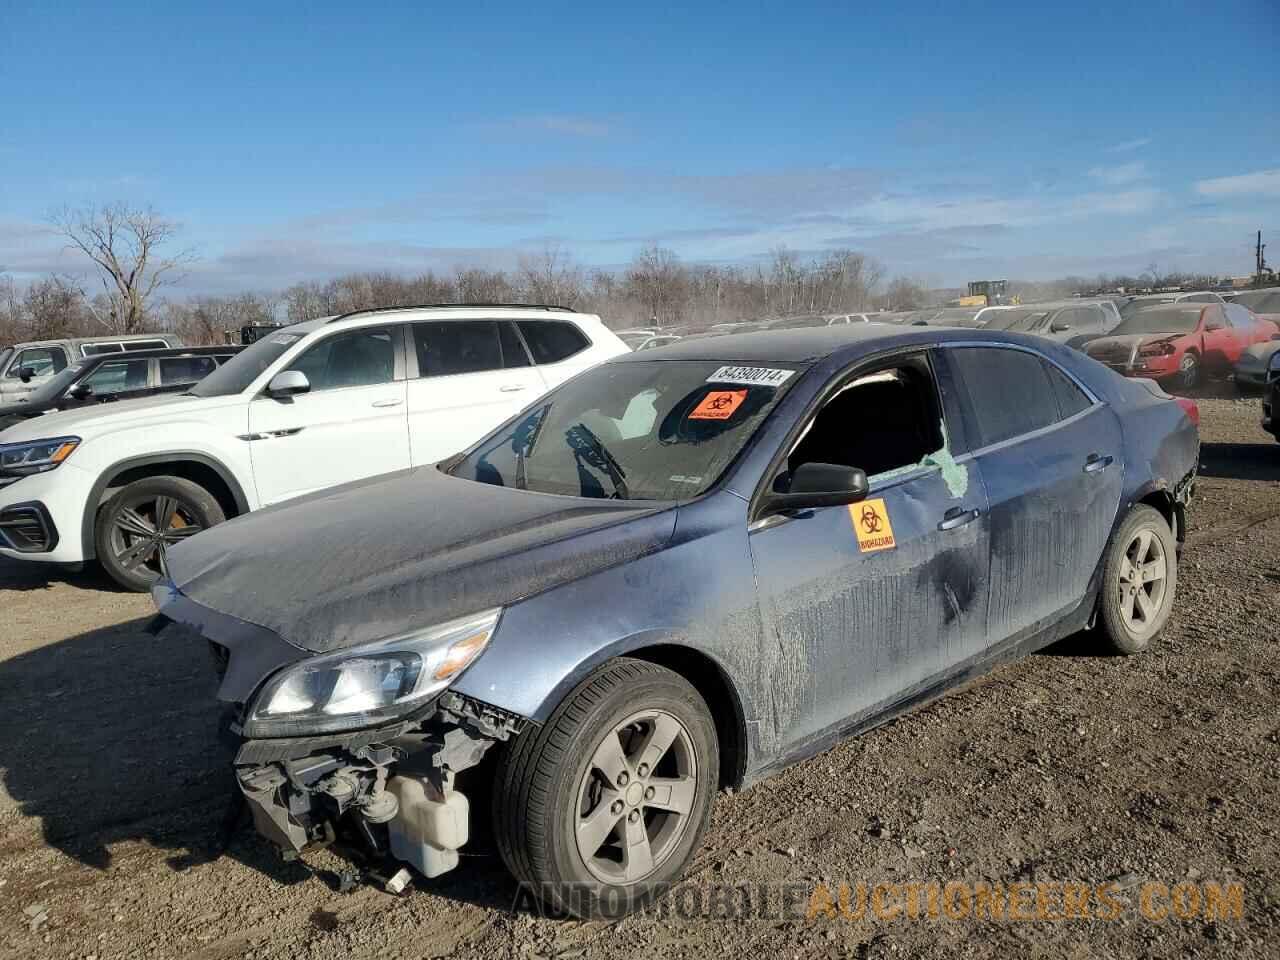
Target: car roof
{"x": 442, "y": 311}
{"x": 105, "y": 338}
{"x": 808, "y": 345}
{"x": 164, "y": 352}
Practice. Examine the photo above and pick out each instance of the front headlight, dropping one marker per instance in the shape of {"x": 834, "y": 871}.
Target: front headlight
{"x": 36, "y": 456}
{"x": 368, "y": 685}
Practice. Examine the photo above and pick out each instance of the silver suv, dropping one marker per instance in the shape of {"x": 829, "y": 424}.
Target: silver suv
{"x": 25, "y": 366}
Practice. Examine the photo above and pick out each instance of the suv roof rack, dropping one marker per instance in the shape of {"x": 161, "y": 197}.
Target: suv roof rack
{"x": 452, "y": 306}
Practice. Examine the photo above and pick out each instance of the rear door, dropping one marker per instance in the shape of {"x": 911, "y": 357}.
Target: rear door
{"x": 465, "y": 378}
{"x": 350, "y": 425}
{"x": 174, "y": 374}
{"x": 1050, "y": 455}
{"x": 559, "y": 349}
{"x": 868, "y": 602}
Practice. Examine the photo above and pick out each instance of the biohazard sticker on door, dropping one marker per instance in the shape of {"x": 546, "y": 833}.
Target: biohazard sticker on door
{"x": 871, "y": 525}
{"x": 718, "y": 405}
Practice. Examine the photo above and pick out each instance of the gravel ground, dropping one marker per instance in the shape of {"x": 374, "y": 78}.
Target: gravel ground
{"x": 1065, "y": 767}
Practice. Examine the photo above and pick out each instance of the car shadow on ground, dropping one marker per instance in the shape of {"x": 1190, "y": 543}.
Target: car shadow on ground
{"x": 20, "y": 575}
{"x": 112, "y": 736}
{"x": 1240, "y": 461}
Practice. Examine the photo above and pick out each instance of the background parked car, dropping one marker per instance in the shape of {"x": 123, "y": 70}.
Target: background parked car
{"x": 1251, "y": 368}
{"x": 944, "y": 317}
{"x": 311, "y": 406}
{"x": 32, "y": 363}
{"x": 110, "y": 377}
{"x": 1073, "y": 322}
{"x": 1179, "y": 342}
{"x": 656, "y": 340}
{"x": 1156, "y": 299}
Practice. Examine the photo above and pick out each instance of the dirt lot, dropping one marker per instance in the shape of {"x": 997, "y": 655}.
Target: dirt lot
{"x": 1064, "y": 767}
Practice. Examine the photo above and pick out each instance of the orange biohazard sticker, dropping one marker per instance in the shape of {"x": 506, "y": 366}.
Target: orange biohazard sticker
{"x": 871, "y": 524}
{"x": 718, "y": 405}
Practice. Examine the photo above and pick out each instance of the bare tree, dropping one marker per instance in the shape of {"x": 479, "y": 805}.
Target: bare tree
{"x": 658, "y": 281}
{"x": 126, "y": 244}
{"x": 551, "y": 277}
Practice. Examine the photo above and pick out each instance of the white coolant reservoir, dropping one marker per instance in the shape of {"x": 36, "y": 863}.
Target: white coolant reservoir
{"x": 427, "y": 831}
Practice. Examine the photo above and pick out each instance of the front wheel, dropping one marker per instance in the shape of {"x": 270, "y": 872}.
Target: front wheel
{"x": 1138, "y": 581}
{"x": 138, "y": 525}
{"x": 603, "y": 807}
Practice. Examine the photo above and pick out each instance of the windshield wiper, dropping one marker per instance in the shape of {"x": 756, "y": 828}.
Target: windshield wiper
{"x": 600, "y": 457}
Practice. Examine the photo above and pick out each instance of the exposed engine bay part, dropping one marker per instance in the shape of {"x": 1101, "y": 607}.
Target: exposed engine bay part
{"x": 400, "y": 793}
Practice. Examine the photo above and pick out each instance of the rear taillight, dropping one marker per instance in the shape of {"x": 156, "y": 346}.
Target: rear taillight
{"x": 1190, "y": 409}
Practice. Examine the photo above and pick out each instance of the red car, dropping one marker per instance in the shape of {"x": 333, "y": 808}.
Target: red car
{"x": 1180, "y": 342}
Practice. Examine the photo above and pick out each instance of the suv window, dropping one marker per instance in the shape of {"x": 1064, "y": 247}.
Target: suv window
{"x": 185, "y": 369}
{"x": 1009, "y": 391}
{"x": 514, "y": 353}
{"x": 145, "y": 345}
{"x": 359, "y": 358}
{"x": 449, "y": 347}
{"x": 1071, "y": 399}
{"x": 41, "y": 361}
{"x": 116, "y": 376}
{"x": 551, "y": 341}
{"x": 95, "y": 349}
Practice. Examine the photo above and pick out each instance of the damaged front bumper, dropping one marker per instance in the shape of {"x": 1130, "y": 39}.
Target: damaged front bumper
{"x": 393, "y": 786}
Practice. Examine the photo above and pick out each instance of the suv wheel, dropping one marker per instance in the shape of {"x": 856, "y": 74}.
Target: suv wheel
{"x": 603, "y": 806}
{"x": 136, "y": 527}
{"x": 1138, "y": 581}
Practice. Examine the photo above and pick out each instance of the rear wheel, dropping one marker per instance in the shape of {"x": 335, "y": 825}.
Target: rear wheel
{"x": 604, "y": 806}
{"x": 138, "y": 525}
{"x": 1139, "y": 581}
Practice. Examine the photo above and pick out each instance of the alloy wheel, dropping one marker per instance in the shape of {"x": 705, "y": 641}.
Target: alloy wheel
{"x": 1143, "y": 573}
{"x": 636, "y": 798}
{"x": 142, "y": 531}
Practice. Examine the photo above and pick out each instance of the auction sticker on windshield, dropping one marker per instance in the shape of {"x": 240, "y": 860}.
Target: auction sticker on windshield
{"x": 871, "y": 525}
{"x": 718, "y": 405}
{"x": 751, "y": 376}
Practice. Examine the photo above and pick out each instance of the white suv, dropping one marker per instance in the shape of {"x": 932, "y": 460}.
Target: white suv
{"x": 308, "y": 407}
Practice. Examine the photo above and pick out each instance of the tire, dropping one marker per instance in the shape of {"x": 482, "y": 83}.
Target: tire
{"x": 549, "y": 785}
{"x": 130, "y": 547}
{"x": 1128, "y": 623}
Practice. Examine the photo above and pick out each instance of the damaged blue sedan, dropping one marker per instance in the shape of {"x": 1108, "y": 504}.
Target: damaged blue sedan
{"x": 678, "y": 572}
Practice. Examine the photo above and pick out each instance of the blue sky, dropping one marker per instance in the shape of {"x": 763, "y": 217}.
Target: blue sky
{"x": 951, "y": 141}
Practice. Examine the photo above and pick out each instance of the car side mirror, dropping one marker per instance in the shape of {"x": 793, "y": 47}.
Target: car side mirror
{"x": 288, "y": 383}
{"x": 1059, "y": 326}
{"x": 820, "y": 485}
{"x": 25, "y": 374}
{"x": 81, "y": 391}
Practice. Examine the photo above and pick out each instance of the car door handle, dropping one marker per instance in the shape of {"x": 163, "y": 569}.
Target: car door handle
{"x": 512, "y": 388}
{"x": 957, "y": 517}
{"x": 1096, "y": 461}
{"x": 393, "y": 402}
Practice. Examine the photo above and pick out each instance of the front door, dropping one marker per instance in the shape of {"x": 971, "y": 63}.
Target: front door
{"x": 351, "y": 424}
{"x": 867, "y": 603}
{"x": 1051, "y": 458}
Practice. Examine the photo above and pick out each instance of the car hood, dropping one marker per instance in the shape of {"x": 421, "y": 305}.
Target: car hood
{"x": 400, "y": 552}
{"x": 1129, "y": 341}
{"x": 72, "y": 422}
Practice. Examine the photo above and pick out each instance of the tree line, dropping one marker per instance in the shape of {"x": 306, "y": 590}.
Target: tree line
{"x": 132, "y": 262}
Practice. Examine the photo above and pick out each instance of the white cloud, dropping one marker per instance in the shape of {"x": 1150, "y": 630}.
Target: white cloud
{"x": 1128, "y": 146}
{"x": 1260, "y": 183}
{"x": 1120, "y": 174}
